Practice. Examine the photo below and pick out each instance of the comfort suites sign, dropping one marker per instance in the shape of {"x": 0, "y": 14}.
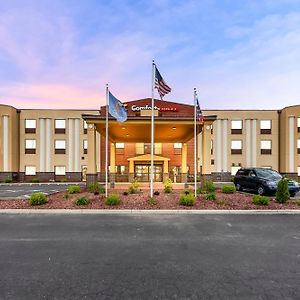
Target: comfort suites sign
{"x": 148, "y": 107}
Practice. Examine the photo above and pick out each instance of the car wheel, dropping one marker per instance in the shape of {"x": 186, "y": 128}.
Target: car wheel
{"x": 260, "y": 190}
{"x": 292, "y": 194}
{"x": 238, "y": 187}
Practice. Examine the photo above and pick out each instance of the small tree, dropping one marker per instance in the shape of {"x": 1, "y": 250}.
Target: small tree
{"x": 168, "y": 185}
{"x": 282, "y": 193}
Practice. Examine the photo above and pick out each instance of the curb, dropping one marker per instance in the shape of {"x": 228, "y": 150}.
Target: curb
{"x": 148, "y": 212}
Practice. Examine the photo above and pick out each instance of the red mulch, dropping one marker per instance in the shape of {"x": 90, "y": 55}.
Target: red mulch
{"x": 140, "y": 201}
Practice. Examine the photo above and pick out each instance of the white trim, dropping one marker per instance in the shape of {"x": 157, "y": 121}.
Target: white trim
{"x": 225, "y": 142}
{"x": 77, "y": 146}
{"x": 248, "y": 143}
{"x": 219, "y": 146}
{"x": 291, "y": 144}
{"x": 254, "y": 137}
{"x": 5, "y": 144}
{"x": 70, "y": 167}
{"x": 42, "y": 145}
{"x": 49, "y": 145}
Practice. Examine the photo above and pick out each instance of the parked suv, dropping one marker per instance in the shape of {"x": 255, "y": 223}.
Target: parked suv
{"x": 261, "y": 180}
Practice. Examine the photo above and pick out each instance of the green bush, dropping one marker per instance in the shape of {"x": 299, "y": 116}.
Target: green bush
{"x": 260, "y": 200}
{"x": 66, "y": 196}
{"x": 8, "y": 180}
{"x": 74, "y": 189}
{"x": 298, "y": 202}
{"x": 82, "y": 201}
{"x": 35, "y": 180}
{"x": 152, "y": 201}
{"x": 228, "y": 189}
{"x": 93, "y": 187}
{"x": 187, "y": 199}
{"x": 199, "y": 191}
{"x": 134, "y": 187}
{"x": 112, "y": 199}
{"x": 282, "y": 193}
{"x": 37, "y": 199}
{"x": 168, "y": 186}
{"x": 210, "y": 196}
{"x": 209, "y": 186}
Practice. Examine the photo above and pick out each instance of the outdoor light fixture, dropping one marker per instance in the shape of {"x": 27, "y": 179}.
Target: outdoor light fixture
{"x": 174, "y": 127}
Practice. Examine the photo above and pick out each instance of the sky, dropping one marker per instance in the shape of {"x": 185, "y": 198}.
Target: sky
{"x": 239, "y": 54}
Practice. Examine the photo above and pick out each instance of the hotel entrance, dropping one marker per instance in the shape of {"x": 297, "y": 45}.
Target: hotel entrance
{"x": 142, "y": 173}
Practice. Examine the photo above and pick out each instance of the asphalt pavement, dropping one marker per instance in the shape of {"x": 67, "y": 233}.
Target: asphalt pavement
{"x": 149, "y": 256}
{"x": 24, "y": 190}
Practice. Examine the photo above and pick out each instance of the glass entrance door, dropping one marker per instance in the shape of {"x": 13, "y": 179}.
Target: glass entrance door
{"x": 142, "y": 173}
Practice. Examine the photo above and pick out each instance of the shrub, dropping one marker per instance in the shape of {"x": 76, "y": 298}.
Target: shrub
{"x": 134, "y": 187}
{"x": 232, "y": 179}
{"x": 102, "y": 190}
{"x": 187, "y": 199}
{"x": 125, "y": 193}
{"x": 210, "y": 196}
{"x": 260, "y": 200}
{"x": 37, "y": 199}
{"x": 282, "y": 193}
{"x": 152, "y": 201}
{"x": 168, "y": 186}
{"x": 156, "y": 193}
{"x": 199, "y": 191}
{"x": 66, "y": 196}
{"x": 209, "y": 186}
{"x": 221, "y": 202}
{"x": 82, "y": 201}
{"x": 298, "y": 202}
{"x": 112, "y": 199}
{"x": 93, "y": 187}
{"x": 35, "y": 180}
{"x": 8, "y": 180}
{"x": 73, "y": 189}
{"x": 228, "y": 189}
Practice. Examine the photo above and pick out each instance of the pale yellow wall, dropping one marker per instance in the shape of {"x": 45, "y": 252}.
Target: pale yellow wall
{"x": 261, "y": 160}
{"x": 13, "y": 133}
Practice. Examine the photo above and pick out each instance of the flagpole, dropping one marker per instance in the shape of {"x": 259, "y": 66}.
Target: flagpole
{"x": 152, "y": 133}
{"x": 106, "y": 144}
{"x": 195, "y": 142}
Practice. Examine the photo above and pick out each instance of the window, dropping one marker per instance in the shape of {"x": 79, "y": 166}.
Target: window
{"x": 157, "y": 148}
{"x": 85, "y": 146}
{"x": 236, "y": 126}
{"x": 236, "y": 147}
{"x": 120, "y": 145}
{"x": 211, "y": 147}
{"x": 60, "y": 147}
{"x": 298, "y": 171}
{"x": 139, "y": 148}
{"x": 266, "y": 147}
{"x": 60, "y": 126}
{"x": 30, "y": 126}
{"x": 121, "y": 170}
{"x": 265, "y": 126}
{"x": 298, "y": 146}
{"x": 147, "y": 148}
{"x": 298, "y": 124}
{"x": 30, "y": 146}
{"x": 30, "y": 170}
{"x": 234, "y": 169}
{"x": 60, "y": 170}
{"x": 177, "y": 148}
{"x": 85, "y": 126}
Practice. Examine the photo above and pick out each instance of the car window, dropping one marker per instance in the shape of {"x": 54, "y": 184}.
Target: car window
{"x": 252, "y": 174}
{"x": 242, "y": 172}
{"x": 267, "y": 173}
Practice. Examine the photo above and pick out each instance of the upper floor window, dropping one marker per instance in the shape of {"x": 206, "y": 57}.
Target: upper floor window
{"x": 298, "y": 146}
{"x": 265, "y": 126}
{"x": 177, "y": 148}
{"x": 30, "y": 126}
{"x": 236, "y": 126}
{"x": 30, "y": 146}
{"x": 85, "y": 146}
{"x": 211, "y": 147}
{"x": 30, "y": 170}
{"x": 60, "y": 126}
{"x": 266, "y": 147}
{"x": 60, "y": 170}
{"x": 60, "y": 146}
{"x": 85, "y": 126}
{"x": 236, "y": 147}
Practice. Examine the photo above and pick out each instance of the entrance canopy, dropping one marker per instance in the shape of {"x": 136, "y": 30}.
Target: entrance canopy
{"x": 136, "y": 129}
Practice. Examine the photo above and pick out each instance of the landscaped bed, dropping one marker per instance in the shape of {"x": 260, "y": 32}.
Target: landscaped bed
{"x": 140, "y": 200}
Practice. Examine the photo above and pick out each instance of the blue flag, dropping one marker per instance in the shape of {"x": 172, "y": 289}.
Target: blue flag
{"x": 116, "y": 108}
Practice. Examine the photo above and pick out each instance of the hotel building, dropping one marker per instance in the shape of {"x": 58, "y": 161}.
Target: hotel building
{"x": 69, "y": 145}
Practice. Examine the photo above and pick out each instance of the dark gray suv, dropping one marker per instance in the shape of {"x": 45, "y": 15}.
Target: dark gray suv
{"x": 261, "y": 180}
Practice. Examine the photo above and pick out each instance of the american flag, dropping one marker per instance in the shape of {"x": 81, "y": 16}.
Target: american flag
{"x": 160, "y": 84}
{"x": 199, "y": 112}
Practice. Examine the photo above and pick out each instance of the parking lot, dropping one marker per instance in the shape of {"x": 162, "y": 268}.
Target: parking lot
{"x": 23, "y": 190}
